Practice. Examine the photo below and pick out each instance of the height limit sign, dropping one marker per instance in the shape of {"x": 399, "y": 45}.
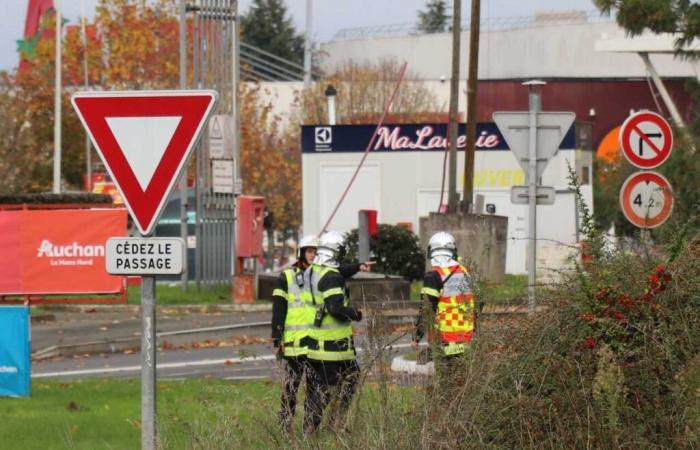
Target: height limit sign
{"x": 646, "y": 199}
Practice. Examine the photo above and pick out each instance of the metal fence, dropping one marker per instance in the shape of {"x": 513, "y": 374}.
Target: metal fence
{"x": 213, "y": 55}
{"x": 487, "y": 24}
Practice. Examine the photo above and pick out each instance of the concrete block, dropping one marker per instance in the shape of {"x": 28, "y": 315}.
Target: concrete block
{"x": 481, "y": 239}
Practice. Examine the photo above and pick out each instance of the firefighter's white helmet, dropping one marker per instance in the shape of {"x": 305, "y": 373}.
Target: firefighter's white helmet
{"x": 305, "y": 242}
{"x": 442, "y": 244}
{"x": 328, "y": 250}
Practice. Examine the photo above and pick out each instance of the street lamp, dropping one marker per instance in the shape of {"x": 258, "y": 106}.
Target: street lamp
{"x": 330, "y": 96}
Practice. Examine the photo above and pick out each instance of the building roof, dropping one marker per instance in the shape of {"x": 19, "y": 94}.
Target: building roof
{"x": 542, "y": 49}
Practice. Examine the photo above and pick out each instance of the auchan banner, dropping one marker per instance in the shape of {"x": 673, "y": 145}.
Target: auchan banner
{"x": 58, "y": 251}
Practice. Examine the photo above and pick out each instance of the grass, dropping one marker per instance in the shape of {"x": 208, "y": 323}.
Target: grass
{"x": 512, "y": 290}
{"x": 105, "y": 414}
{"x": 171, "y": 294}
{"x": 193, "y": 413}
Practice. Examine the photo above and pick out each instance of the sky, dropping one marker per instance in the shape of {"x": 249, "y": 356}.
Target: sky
{"x": 328, "y": 16}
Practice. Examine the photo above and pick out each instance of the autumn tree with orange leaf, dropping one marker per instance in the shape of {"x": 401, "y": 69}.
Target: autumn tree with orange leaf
{"x": 363, "y": 90}
{"x": 132, "y": 44}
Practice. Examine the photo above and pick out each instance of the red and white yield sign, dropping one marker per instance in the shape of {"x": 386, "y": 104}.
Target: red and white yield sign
{"x": 144, "y": 139}
{"x": 646, "y": 199}
{"x": 646, "y": 139}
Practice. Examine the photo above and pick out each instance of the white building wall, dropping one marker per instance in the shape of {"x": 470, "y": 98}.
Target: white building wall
{"x": 566, "y": 50}
{"x": 404, "y": 186}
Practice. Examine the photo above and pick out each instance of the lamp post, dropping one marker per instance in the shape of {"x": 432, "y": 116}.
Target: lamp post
{"x": 330, "y": 96}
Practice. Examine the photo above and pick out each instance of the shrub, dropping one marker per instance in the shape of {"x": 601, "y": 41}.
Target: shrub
{"x": 395, "y": 249}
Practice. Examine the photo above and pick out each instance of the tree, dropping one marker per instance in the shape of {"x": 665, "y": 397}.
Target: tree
{"x": 396, "y": 251}
{"x": 363, "y": 89}
{"x": 658, "y": 16}
{"x": 434, "y": 19}
{"x": 26, "y": 149}
{"x": 681, "y": 17}
{"x": 134, "y": 46}
{"x": 270, "y": 159}
{"x": 267, "y": 26}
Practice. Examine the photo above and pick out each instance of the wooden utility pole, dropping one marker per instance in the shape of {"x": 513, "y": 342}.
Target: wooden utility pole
{"x": 471, "y": 106}
{"x": 454, "y": 99}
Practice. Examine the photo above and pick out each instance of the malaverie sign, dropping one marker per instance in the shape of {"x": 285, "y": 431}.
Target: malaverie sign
{"x": 402, "y": 138}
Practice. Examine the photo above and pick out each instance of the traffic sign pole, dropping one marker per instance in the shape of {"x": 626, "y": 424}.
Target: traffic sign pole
{"x": 148, "y": 362}
{"x": 534, "y": 104}
{"x": 534, "y": 138}
{"x": 144, "y": 138}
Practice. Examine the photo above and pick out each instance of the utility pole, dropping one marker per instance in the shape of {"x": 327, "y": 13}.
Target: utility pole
{"x": 472, "y": 83}
{"x": 307, "y": 46}
{"x": 454, "y": 104}
{"x": 57, "y": 103}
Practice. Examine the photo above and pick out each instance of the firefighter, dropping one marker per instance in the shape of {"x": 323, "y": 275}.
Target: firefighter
{"x": 331, "y": 354}
{"x": 292, "y": 317}
{"x": 293, "y": 312}
{"x": 448, "y": 297}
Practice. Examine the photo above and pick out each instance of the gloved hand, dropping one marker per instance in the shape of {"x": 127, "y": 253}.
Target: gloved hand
{"x": 280, "y": 352}
{"x": 358, "y": 313}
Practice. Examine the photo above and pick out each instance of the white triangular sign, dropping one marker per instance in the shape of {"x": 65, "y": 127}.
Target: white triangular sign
{"x": 133, "y": 134}
{"x": 551, "y": 130}
{"x": 144, "y": 139}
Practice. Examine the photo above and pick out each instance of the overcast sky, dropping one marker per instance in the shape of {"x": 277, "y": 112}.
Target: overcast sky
{"x": 329, "y": 16}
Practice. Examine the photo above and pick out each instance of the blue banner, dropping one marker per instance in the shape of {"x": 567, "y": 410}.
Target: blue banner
{"x": 403, "y": 138}
{"x": 15, "y": 362}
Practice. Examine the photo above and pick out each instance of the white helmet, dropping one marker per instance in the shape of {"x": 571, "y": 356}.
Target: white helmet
{"x": 328, "y": 251}
{"x": 442, "y": 244}
{"x": 309, "y": 240}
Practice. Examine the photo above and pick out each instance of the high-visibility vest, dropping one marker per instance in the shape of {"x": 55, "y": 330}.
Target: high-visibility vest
{"x": 456, "y": 314}
{"x": 300, "y": 315}
{"x": 332, "y": 341}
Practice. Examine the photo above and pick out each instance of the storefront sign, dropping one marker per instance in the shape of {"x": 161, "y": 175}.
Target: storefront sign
{"x": 58, "y": 251}
{"x": 404, "y": 137}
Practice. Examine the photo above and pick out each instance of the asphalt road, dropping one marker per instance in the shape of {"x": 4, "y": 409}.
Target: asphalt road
{"x": 190, "y": 346}
{"x": 232, "y": 363}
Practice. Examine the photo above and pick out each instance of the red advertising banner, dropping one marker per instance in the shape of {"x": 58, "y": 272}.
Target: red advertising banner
{"x": 58, "y": 251}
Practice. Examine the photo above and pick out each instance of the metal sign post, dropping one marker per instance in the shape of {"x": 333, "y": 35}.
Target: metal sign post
{"x": 535, "y": 106}
{"x": 148, "y": 362}
{"x": 144, "y": 139}
{"x": 534, "y": 138}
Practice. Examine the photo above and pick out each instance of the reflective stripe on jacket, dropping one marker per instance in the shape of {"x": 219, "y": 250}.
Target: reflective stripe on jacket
{"x": 333, "y": 339}
{"x": 300, "y": 314}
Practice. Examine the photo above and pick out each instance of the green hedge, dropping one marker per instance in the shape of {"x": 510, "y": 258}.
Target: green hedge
{"x": 395, "y": 249}
{"x": 52, "y": 199}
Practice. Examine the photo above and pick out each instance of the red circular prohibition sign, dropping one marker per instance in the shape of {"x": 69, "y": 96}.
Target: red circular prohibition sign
{"x": 626, "y": 199}
{"x": 632, "y": 132}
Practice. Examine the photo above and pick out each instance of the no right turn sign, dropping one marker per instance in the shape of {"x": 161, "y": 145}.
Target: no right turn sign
{"x": 646, "y": 140}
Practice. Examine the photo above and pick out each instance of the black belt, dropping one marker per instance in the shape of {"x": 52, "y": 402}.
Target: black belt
{"x": 304, "y": 342}
{"x": 339, "y": 345}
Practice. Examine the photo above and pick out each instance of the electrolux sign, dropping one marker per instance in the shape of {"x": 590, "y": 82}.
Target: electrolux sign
{"x": 403, "y": 138}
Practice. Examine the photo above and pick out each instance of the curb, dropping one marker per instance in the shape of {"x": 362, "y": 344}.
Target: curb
{"x": 400, "y": 364}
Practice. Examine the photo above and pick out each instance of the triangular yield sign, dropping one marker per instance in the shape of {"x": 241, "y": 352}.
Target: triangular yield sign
{"x": 551, "y": 130}
{"x": 144, "y": 139}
